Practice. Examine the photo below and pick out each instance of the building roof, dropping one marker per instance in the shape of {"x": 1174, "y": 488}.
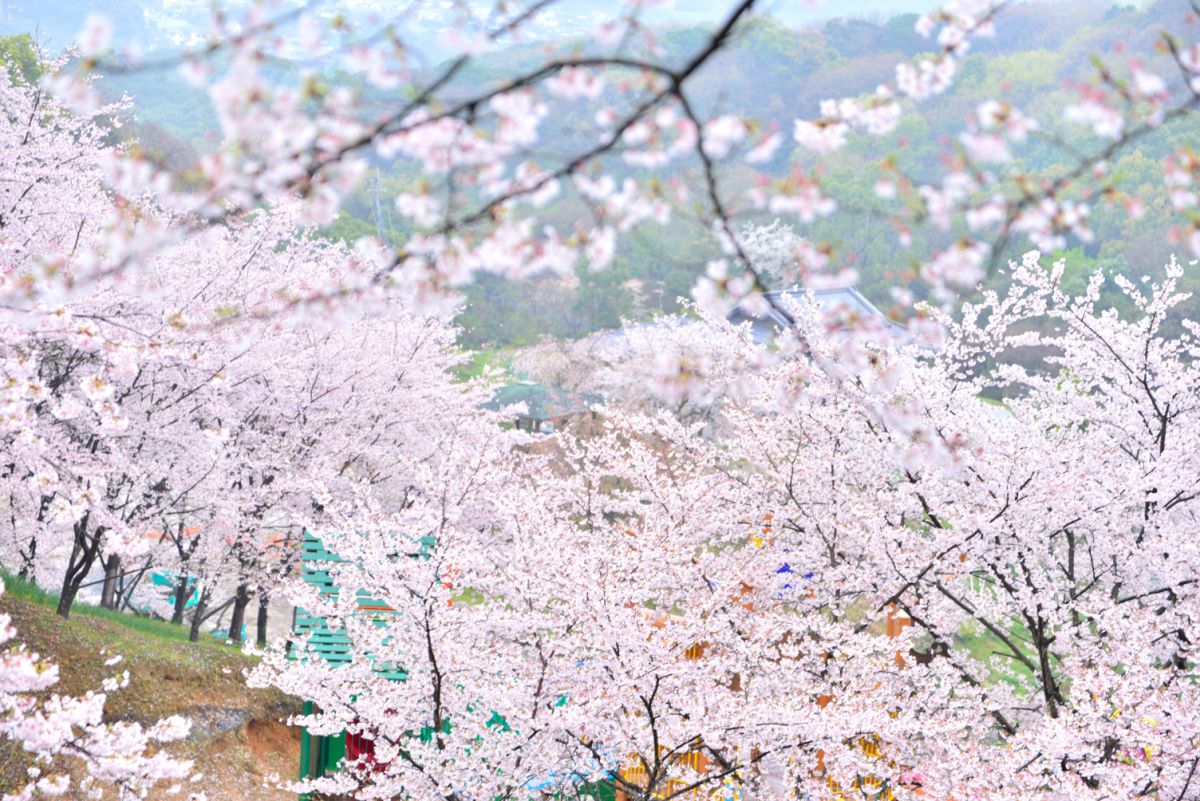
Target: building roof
{"x": 542, "y": 402}
{"x": 333, "y": 645}
{"x": 848, "y": 304}
{"x": 846, "y": 301}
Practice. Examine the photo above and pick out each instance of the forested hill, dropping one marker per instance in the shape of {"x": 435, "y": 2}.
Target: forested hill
{"x": 1034, "y": 61}
{"x": 777, "y": 73}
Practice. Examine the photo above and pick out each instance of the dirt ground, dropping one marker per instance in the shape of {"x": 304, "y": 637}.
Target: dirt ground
{"x": 246, "y": 764}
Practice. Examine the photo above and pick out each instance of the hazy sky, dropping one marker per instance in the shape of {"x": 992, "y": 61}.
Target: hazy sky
{"x": 180, "y": 21}
{"x": 694, "y": 11}
{"x": 795, "y": 11}
{"x": 577, "y": 17}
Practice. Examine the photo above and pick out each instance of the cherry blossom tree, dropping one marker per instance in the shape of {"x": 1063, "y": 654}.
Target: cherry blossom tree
{"x": 1008, "y": 493}
{"x": 478, "y": 210}
{"x": 413, "y": 486}
{"x": 121, "y": 397}
{"x": 646, "y": 595}
{"x": 1038, "y": 546}
{"x": 125, "y": 392}
{"x": 606, "y": 620}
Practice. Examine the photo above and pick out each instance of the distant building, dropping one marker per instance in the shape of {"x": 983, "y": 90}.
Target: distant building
{"x": 547, "y": 409}
{"x": 850, "y": 306}
{"x": 847, "y": 302}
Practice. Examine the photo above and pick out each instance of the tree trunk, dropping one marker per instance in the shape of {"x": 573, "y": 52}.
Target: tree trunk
{"x": 261, "y": 640}
{"x": 27, "y": 559}
{"x": 66, "y": 599}
{"x": 83, "y": 555}
{"x": 237, "y": 620}
{"x": 29, "y": 556}
{"x": 108, "y": 593}
{"x": 198, "y": 616}
{"x": 181, "y": 598}
{"x": 125, "y": 597}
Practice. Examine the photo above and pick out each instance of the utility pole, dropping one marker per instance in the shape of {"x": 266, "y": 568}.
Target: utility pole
{"x": 382, "y": 215}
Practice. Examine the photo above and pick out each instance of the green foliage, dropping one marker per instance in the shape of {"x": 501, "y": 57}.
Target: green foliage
{"x": 1026, "y": 72}
{"x": 477, "y": 361}
{"x": 164, "y": 98}
{"x": 499, "y": 312}
{"x": 898, "y": 35}
{"x": 1077, "y": 270}
{"x": 347, "y": 228}
{"x": 987, "y": 648}
{"x": 20, "y": 57}
{"x": 604, "y": 298}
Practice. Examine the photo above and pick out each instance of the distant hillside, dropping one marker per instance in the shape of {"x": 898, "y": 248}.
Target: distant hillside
{"x": 777, "y": 73}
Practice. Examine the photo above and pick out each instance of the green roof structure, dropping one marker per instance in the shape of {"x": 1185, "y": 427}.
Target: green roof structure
{"x": 330, "y": 644}
{"x": 321, "y": 755}
{"x": 542, "y": 403}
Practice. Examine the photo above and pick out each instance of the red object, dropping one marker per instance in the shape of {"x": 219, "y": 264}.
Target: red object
{"x": 361, "y": 748}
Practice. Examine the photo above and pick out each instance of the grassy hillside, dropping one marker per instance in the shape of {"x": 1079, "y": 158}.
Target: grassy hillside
{"x": 237, "y": 740}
